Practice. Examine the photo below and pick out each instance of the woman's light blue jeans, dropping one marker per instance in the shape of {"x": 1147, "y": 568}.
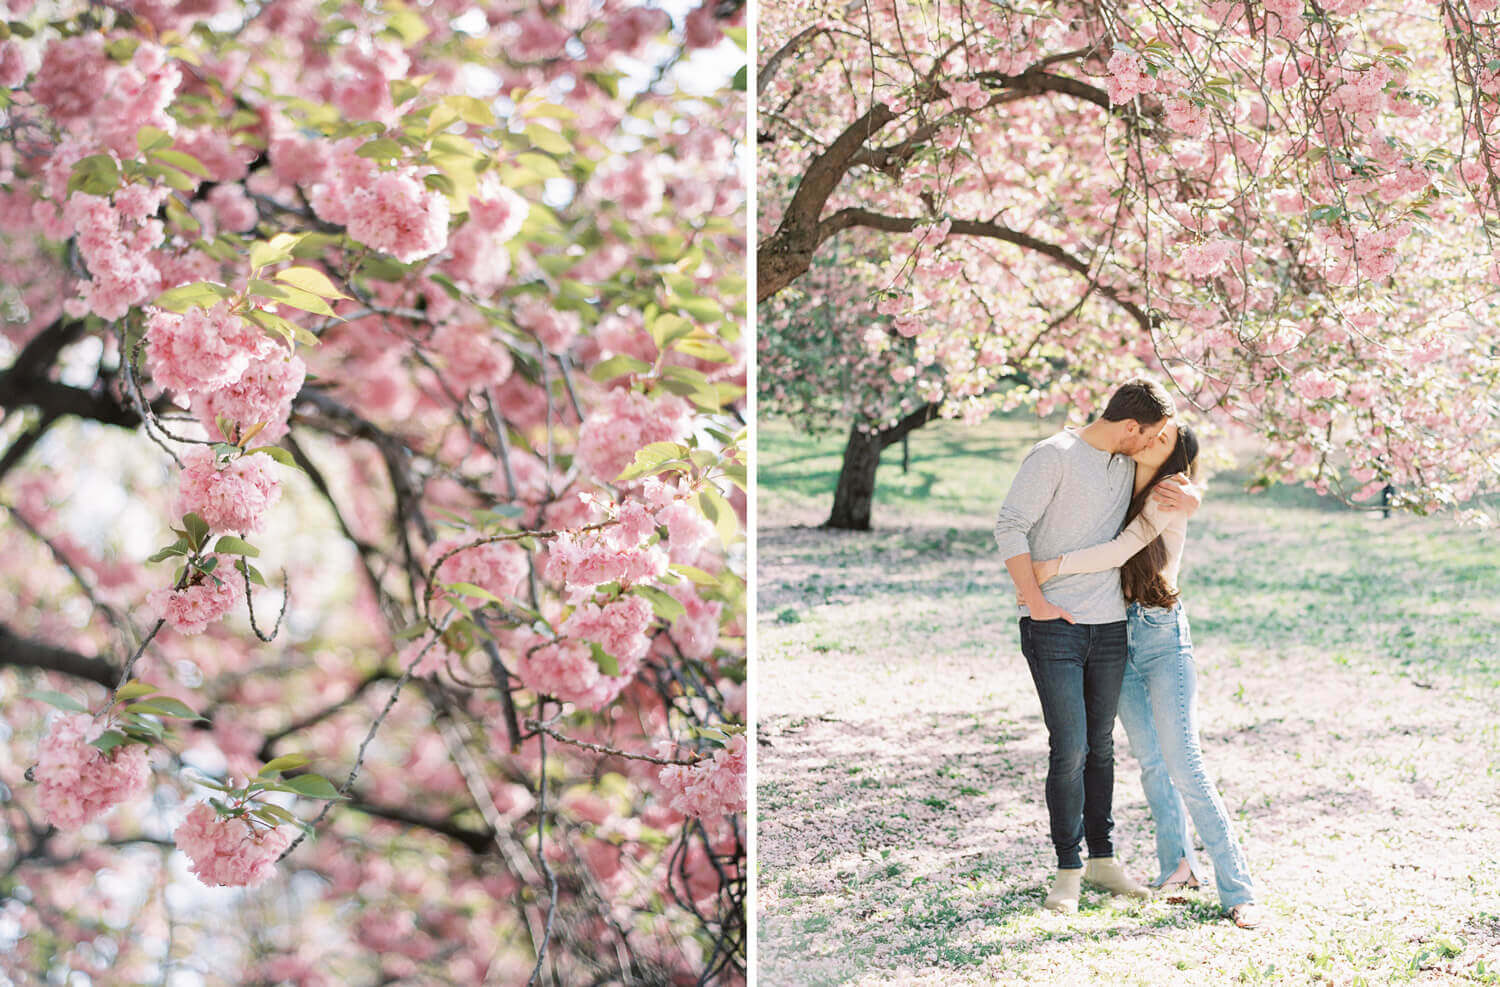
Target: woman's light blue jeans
{"x": 1159, "y": 710}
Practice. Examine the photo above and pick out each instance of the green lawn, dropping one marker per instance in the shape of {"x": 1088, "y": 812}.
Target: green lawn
{"x": 1348, "y": 671}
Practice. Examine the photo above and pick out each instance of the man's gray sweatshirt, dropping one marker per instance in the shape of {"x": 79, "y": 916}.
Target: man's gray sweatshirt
{"x": 1068, "y": 495}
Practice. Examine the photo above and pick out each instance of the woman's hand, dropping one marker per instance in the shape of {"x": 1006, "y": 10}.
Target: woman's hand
{"x": 1045, "y": 569}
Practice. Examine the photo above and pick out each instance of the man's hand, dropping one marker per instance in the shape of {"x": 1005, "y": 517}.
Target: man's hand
{"x": 1045, "y": 569}
{"x": 1029, "y": 591}
{"x": 1045, "y": 609}
{"x": 1176, "y": 494}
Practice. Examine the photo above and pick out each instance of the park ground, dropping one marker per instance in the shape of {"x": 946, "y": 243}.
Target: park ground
{"x": 1349, "y": 683}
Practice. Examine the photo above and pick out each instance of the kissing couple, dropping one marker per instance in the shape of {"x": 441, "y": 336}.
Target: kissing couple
{"x": 1092, "y": 532}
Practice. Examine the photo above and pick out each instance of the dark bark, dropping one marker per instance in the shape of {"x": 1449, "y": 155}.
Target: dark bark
{"x": 20, "y": 652}
{"x": 854, "y": 495}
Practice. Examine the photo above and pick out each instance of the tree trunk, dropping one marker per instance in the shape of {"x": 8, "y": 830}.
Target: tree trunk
{"x": 855, "y": 493}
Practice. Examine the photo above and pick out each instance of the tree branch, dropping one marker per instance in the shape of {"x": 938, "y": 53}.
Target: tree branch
{"x": 21, "y": 652}
{"x": 773, "y": 64}
{"x": 856, "y": 216}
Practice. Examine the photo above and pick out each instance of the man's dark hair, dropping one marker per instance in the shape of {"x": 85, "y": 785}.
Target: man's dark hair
{"x": 1140, "y": 399}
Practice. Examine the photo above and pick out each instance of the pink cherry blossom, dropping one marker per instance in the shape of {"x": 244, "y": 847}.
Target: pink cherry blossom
{"x": 1203, "y": 260}
{"x": 262, "y": 393}
{"x": 553, "y": 328}
{"x": 499, "y": 567}
{"x": 619, "y": 627}
{"x": 201, "y": 350}
{"x": 473, "y": 358}
{"x": 696, "y": 631}
{"x": 568, "y": 671}
{"x": 399, "y": 215}
{"x": 713, "y": 787}
{"x": 204, "y": 600}
{"x": 77, "y": 782}
{"x": 229, "y": 852}
{"x": 625, "y": 421}
{"x": 231, "y": 497}
{"x": 498, "y": 211}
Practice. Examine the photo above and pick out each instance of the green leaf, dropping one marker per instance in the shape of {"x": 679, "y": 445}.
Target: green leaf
{"x": 695, "y": 575}
{"x": 411, "y": 631}
{"x": 469, "y": 589}
{"x": 274, "y": 814}
{"x": 276, "y": 325}
{"x": 109, "y": 740}
{"x": 249, "y": 570}
{"x": 311, "y": 280}
{"x": 182, "y": 160}
{"x": 619, "y": 366}
{"x": 693, "y": 385}
{"x": 403, "y": 90}
{"x": 178, "y": 180}
{"x": 179, "y": 547}
{"x": 650, "y": 459}
{"x": 142, "y": 728}
{"x": 286, "y": 294}
{"x": 471, "y": 110}
{"x": 275, "y": 250}
{"x": 704, "y": 349}
{"x": 407, "y": 24}
{"x": 381, "y": 149}
{"x": 607, "y": 81}
{"x": 134, "y": 689}
{"x": 665, "y": 605}
{"x": 150, "y": 138}
{"x": 717, "y": 510}
{"x": 313, "y": 786}
{"x": 198, "y": 294}
{"x": 197, "y": 530}
{"x": 440, "y": 183}
{"x": 668, "y": 328}
{"x": 741, "y": 79}
{"x": 539, "y": 164}
{"x": 285, "y": 762}
{"x": 179, "y": 216}
{"x": 607, "y": 663}
{"x": 548, "y": 139}
{"x": 57, "y": 699}
{"x": 164, "y": 706}
{"x": 97, "y": 174}
{"x": 277, "y": 453}
{"x": 702, "y": 309}
{"x": 230, "y": 545}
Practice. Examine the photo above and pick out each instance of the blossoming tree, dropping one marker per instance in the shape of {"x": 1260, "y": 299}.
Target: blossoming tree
{"x": 1286, "y": 208}
{"x": 371, "y": 492}
{"x": 815, "y": 370}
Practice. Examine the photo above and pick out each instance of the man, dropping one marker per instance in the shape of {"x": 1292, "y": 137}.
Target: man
{"x": 1071, "y": 492}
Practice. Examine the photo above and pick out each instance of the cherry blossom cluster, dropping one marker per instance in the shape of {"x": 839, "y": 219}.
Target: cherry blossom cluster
{"x": 203, "y": 600}
{"x": 712, "y": 787}
{"x": 76, "y": 781}
{"x": 448, "y": 263}
{"x": 232, "y": 496}
{"x": 229, "y": 850}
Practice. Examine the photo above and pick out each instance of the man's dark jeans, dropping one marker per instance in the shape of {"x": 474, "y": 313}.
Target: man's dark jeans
{"x": 1077, "y": 669}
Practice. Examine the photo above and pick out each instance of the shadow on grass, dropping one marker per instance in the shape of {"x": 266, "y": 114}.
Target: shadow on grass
{"x": 1354, "y": 594}
{"x": 938, "y": 861}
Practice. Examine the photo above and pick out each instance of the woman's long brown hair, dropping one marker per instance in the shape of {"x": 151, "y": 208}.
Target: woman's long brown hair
{"x": 1141, "y": 577}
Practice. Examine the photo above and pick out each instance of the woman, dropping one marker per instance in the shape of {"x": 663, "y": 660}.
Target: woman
{"x": 1158, "y": 701}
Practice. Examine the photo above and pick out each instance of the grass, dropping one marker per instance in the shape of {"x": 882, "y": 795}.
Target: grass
{"x": 1348, "y": 674}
